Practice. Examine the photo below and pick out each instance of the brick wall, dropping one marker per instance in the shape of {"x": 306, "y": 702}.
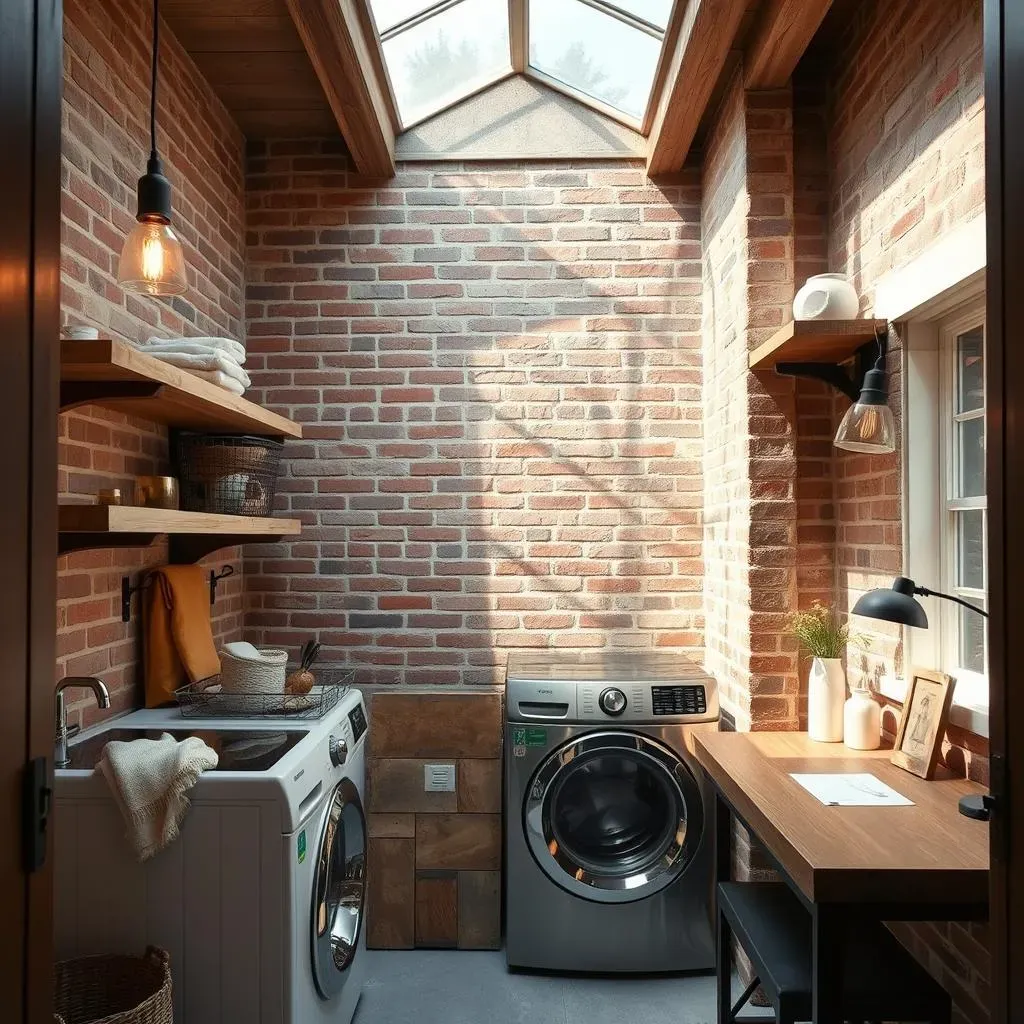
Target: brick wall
{"x": 105, "y": 144}
{"x": 499, "y": 372}
{"x": 889, "y": 113}
{"x": 749, "y": 459}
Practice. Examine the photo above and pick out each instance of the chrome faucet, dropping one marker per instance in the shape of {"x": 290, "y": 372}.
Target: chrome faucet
{"x": 65, "y": 731}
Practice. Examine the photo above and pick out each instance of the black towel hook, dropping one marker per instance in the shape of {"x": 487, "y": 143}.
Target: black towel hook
{"x": 216, "y": 577}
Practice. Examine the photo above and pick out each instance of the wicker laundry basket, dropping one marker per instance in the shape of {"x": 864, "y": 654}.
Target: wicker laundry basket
{"x": 114, "y": 989}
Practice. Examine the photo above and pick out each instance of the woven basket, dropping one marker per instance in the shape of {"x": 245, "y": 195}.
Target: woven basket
{"x": 114, "y": 989}
{"x": 245, "y": 676}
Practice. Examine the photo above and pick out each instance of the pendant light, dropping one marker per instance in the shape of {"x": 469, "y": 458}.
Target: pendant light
{"x": 152, "y": 261}
{"x": 868, "y": 425}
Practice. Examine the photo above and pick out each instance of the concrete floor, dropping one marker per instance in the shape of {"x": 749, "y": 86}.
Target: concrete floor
{"x": 448, "y": 987}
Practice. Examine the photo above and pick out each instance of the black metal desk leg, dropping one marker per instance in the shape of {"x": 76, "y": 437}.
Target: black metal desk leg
{"x": 829, "y": 941}
{"x": 723, "y": 934}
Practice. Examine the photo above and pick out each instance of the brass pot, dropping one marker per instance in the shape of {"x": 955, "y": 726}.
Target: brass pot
{"x": 156, "y": 492}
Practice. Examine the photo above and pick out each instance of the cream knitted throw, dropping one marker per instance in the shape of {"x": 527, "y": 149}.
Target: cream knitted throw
{"x": 150, "y": 780}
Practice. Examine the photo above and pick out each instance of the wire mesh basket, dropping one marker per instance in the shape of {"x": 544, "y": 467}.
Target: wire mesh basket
{"x": 227, "y": 474}
{"x": 206, "y": 699}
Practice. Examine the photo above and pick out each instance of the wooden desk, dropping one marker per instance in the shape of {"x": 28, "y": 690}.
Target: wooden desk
{"x": 920, "y": 863}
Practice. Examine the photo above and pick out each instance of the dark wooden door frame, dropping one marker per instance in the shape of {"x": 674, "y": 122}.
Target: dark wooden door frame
{"x": 30, "y": 110}
{"x": 1004, "y": 211}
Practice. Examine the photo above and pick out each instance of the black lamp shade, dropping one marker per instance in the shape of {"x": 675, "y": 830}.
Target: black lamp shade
{"x": 894, "y": 605}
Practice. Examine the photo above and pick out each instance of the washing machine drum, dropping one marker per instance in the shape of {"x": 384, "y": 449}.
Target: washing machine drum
{"x": 339, "y": 890}
{"x": 613, "y": 817}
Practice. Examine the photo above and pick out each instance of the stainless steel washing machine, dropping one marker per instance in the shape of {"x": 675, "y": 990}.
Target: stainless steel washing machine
{"x": 609, "y": 846}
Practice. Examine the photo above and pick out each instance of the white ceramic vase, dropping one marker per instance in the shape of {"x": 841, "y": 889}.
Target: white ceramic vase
{"x": 826, "y": 297}
{"x": 826, "y": 695}
{"x": 862, "y": 721}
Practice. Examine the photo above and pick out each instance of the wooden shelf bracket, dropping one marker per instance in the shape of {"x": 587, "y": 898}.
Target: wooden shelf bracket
{"x": 869, "y": 354}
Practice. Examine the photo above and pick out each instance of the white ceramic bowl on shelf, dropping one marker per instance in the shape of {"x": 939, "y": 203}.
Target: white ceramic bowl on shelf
{"x": 826, "y": 297}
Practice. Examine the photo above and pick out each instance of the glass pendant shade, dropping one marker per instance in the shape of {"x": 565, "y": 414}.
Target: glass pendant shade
{"x": 152, "y": 260}
{"x": 867, "y": 428}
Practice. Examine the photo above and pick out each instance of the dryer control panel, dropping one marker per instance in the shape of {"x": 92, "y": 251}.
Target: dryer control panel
{"x": 679, "y": 700}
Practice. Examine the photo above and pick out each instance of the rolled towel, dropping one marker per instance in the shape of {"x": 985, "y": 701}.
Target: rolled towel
{"x": 194, "y": 345}
{"x": 150, "y": 781}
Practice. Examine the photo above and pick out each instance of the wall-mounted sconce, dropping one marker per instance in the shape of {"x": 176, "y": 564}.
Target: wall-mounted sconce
{"x": 868, "y": 425}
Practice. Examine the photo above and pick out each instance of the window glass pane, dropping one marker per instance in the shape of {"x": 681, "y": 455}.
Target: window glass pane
{"x": 654, "y": 11}
{"x": 972, "y": 641}
{"x": 970, "y": 549}
{"x": 448, "y": 56}
{"x": 970, "y": 440}
{"x": 387, "y": 13}
{"x": 594, "y": 53}
{"x": 970, "y": 360}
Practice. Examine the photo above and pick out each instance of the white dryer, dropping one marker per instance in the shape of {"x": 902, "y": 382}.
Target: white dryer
{"x": 261, "y": 899}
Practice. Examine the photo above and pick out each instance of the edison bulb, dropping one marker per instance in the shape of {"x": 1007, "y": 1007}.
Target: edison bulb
{"x": 152, "y": 260}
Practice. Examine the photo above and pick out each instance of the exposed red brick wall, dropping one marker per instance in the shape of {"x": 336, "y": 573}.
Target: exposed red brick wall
{"x": 749, "y": 496}
{"x": 897, "y": 88}
{"x": 499, "y": 371}
{"x": 105, "y": 144}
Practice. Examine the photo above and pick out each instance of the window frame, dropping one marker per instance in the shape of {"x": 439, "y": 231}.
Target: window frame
{"x": 519, "y": 58}
{"x": 929, "y": 365}
{"x": 969, "y": 316}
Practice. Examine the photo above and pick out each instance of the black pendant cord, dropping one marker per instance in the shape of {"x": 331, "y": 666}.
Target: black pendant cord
{"x": 152, "y": 89}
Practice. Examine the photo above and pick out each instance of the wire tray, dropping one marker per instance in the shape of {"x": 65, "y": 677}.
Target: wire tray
{"x": 205, "y": 699}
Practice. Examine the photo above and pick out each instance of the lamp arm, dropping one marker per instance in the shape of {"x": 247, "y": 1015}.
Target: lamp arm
{"x": 925, "y": 592}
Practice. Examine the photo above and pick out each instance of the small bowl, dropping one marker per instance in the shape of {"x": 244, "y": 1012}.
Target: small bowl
{"x": 156, "y": 492}
{"x": 79, "y": 332}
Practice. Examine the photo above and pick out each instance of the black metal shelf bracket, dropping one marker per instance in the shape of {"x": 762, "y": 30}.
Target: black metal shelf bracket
{"x": 835, "y": 375}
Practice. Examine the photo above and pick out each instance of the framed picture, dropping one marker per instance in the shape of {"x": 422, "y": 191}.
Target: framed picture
{"x": 923, "y": 724}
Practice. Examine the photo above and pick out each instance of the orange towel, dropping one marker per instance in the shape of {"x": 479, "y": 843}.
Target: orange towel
{"x": 179, "y": 645}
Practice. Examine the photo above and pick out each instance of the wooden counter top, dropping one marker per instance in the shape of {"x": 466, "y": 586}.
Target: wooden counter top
{"x": 925, "y": 854}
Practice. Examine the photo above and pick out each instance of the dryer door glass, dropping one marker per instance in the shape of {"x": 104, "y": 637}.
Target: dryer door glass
{"x": 339, "y": 890}
{"x": 614, "y": 817}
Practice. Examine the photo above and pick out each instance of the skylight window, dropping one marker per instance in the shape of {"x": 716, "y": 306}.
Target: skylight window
{"x": 603, "y": 52}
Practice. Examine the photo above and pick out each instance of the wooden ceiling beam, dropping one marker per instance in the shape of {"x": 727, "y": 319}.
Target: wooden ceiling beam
{"x": 783, "y": 32}
{"x": 332, "y": 32}
{"x": 707, "y": 32}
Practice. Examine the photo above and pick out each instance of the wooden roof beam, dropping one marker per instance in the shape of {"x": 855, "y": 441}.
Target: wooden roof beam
{"x": 332, "y": 33}
{"x": 708, "y": 30}
{"x": 783, "y": 32}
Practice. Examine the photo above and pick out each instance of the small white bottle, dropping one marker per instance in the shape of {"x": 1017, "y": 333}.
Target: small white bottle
{"x": 862, "y": 721}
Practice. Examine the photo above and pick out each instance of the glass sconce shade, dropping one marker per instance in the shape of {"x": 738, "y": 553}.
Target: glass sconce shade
{"x": 867, "y": 428}
{"x": 152, "y": 260}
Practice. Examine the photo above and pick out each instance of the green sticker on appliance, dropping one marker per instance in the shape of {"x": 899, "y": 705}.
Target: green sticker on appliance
{"x": 529, "y": 736}
{"x": 301, "y": 846}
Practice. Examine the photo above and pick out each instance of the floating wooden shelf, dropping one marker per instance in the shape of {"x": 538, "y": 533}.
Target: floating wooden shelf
{"x": 815, "y": 341}
{"x": 117, "y": 376}
{"x": 192, "y": 534}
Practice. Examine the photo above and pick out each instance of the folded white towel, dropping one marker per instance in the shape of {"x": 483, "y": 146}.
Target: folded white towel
{"x": 207, "y": 361}
{"x": 150, "y": 780}
{"x": 243, "y": 649}
{"x": 235, "y": 348}
{"x": 222, "y": 380}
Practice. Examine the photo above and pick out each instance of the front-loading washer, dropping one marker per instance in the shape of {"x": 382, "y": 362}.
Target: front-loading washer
{"x": 609, "y": 846}
{"x": 260, "y": 901}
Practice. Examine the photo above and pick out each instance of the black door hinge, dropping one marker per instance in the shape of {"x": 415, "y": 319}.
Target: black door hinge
{"x": 37, "y": 796}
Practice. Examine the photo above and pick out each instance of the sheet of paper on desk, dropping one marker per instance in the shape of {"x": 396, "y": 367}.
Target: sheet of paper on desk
{"x": 851, "y": 789}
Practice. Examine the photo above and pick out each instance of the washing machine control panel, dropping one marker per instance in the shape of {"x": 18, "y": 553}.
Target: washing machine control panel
{"x": 678, "y": 700}
{"x": 357, "y": 718}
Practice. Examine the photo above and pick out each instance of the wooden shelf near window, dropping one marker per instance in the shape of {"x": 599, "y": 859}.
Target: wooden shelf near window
{"x": 815, "y": 341}
{"x": 117, "y": 376}
{"x": 192, "y": 534}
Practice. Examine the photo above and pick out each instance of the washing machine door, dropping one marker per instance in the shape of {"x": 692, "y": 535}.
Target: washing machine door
{"x": 339, "y": 890}
{"x": 613, "y": 817}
